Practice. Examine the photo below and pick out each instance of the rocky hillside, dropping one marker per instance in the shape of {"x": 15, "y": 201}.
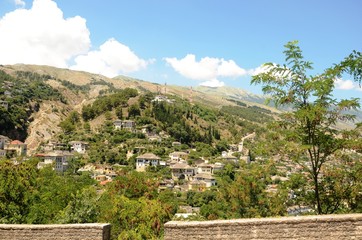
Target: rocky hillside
{"x": 77, "y": 89}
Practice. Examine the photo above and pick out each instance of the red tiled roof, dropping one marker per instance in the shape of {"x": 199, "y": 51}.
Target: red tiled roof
{"x": 16, "y": 142}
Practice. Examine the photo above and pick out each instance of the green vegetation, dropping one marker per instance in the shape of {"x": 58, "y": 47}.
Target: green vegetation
{"x": 309, "y": 134}
{"x": 107, "y": 103}
{"x": 299, "y": 160}
{"x": 29, "y": 195}
{"x": 24, "y": 94}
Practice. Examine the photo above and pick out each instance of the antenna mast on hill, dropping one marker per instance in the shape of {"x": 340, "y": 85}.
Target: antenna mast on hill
{"x": 165, "y": 87}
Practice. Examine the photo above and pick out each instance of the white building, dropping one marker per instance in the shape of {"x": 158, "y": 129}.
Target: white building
{"x": 182, "y": 171}
{"x": 177, "y": 156}
{"x": 128, "y": 125}
{"x": 16, "y": 146}
{"x": 59, "y": 159}
{"x": 145, "y": 160}
{"x": 79, "y": 146}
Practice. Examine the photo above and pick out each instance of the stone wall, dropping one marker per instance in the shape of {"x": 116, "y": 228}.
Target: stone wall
{"x": 331, "y": 227}
{"x": 89, "y": 231}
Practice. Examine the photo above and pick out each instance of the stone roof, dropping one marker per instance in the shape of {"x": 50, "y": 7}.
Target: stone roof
{"x": 204, "y": 176}
{"x": 179, "y": 153}
{"x": 205, "y": 165}
{"x": 181, "y": 166}
{"x": 75, "y": 142}
{"x": 148, "y": 156}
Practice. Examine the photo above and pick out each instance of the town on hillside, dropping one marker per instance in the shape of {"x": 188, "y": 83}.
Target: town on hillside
{"x": 148, "y": 157}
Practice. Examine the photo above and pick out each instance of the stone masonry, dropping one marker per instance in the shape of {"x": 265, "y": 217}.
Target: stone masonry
{"x": 89, "y": 231}
{"x": 323, "y": 227}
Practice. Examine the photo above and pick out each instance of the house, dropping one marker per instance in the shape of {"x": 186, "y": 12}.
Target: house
{"x": 125, "y": 125}
{"x": 4, "y": 104}
{"x": 145, "y": 160}
{"x": 174, "y": 144}
{"x": 230, "y": 158}
{"x": 153, "y": 137}
{"x": 59, "y": 159}
{"x": 197, "y": 185}
{"x": 217, "y": 167}
{"x": 79, "y": 146}
{"x": 99, "y": 170}
{"x": 177, "y": 156}
{"x": 52, "y": 146}
{"x": 205, "y": 168}
{"x": 182, "y": 171}
{"x": 3, "y": 140}
{"x": 207, "y": 178}
{"x": 16, "y": 146}
{"x": 7, "y": 93}
{"x": 162, "y": 98}
{"x": 166, "y": 184}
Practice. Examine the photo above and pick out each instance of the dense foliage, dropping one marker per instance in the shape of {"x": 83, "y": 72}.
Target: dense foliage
{"x": 107, "y": 103}
{"x": 309, "y": 129}
{"x": 23, "y": 95}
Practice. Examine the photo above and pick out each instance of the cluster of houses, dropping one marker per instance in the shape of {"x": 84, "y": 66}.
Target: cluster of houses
{"x": 57, "y": 154}
{"x": 130, "y": 125}
{"x": 197, "y": 177}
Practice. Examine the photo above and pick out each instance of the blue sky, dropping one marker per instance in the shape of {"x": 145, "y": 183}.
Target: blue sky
{"x": 185, "y": 42}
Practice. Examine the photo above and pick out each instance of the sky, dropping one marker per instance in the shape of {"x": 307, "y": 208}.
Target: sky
{"x": 180, "y": 42}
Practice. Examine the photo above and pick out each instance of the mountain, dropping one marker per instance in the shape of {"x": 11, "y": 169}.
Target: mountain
{"x": 72, "y": 90}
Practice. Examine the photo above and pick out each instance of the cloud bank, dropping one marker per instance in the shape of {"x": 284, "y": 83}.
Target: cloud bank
{"x": 41, "y": 35}
{"x": 208, "y": 70}
{"x": 111, "y": 58}
{"x": 346, "y": 85}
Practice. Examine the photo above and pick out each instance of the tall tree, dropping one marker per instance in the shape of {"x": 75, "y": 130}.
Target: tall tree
{"x": 310, "y": 124}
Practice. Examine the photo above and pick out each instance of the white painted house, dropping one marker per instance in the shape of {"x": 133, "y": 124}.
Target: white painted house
{"x": 145, "y": 160}
{"x": 79, "y": 146}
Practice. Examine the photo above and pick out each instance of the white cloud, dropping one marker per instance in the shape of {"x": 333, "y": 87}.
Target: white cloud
{"x": 346, "y": 85}
{"x": 112, "y": 58}
{"x": 214, "y": 83}
{"x": 258, "y": 70}
{"x": 20, "y": 3}
{"x": 207, "y": 69}
{"x": 41, "y": 35}
{"x": 230, "y": 69}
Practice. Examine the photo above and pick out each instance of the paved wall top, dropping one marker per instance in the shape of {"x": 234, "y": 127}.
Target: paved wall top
{"x": 88, "y": 231}
{"x": 329, "y": 227}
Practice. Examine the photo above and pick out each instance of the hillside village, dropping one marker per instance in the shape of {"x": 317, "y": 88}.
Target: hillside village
{"x": 197, "y": 176}
{"x": 199, "y": 157}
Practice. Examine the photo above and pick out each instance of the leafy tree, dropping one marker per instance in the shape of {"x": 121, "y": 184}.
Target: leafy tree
{"x": 119, "y": 112}
{"x": 134, "y": 110}
{"x": 82, "y": 207}
{"x": 15, "y": 197}
{"x": 310, "y": 124}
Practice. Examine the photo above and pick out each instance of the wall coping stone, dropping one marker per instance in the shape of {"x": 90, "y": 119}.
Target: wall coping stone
{"x": 272, "y": 220}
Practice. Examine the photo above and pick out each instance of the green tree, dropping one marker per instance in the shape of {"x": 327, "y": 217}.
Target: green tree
{"x": 310, "y": 125}
{"x": 134, "y": 110}
{"x": 82, "y": 207}
{"x": 16, "y": 183}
